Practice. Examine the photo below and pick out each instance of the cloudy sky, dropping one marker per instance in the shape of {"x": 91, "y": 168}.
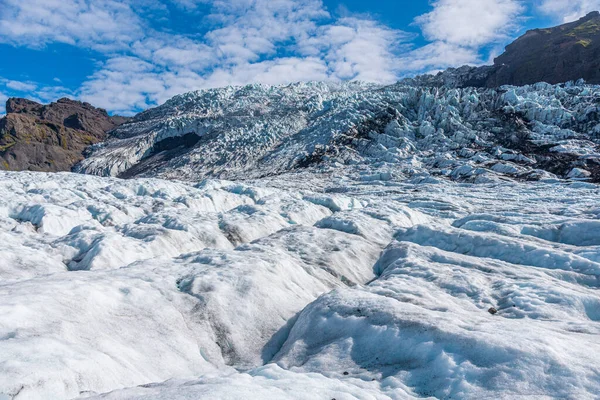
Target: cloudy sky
{"x": 128, "y": 55}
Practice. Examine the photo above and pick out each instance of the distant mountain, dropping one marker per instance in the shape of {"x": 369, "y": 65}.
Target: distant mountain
{"x": 561, "y": 54}
{"x": 50, "y": 137}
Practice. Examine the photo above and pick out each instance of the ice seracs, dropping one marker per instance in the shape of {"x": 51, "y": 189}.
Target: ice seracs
{"x": 579, "y": 173}
{"x": 256, "y": 131}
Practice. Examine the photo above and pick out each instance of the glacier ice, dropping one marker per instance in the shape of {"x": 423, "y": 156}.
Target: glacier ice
{"x": 302, "y": 285}
{"x": 468, "y": 134}
{"x": 315, "y": 240}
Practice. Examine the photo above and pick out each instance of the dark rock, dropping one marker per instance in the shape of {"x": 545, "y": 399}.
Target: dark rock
{"x": 565, "y": 53}
{"x": 50, "y": 137}
{"x": 492, "y": 310}
{"x": 16, "y": 105}
{"x": 163, "y": 151}
{"x": 561, "y": 54}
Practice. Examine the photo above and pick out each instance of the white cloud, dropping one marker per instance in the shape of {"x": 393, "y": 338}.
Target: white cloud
{"x": 436, "y": 56}
{"x": 47, "y": 94}
{"x": 470, "y": 23}
{"x": 123, "y": 84}
{"x": 33, "y": 91}
{"x": 99, "y": 24}
{"x": 175, "y": 51}
{"x": 188, "y": 5}
{"x": 357, "y": 49}
{"x": 250, "y": 29}
{"x": 20, "y": 86}
{"x": 568, "y": 10}
{"x": 459, "y": 30}
{"x": 3, "y": 99}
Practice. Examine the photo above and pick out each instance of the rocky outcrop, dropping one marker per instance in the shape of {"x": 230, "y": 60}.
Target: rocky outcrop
{"x": 561, "y": 54}
{"x": 52, "y": 137}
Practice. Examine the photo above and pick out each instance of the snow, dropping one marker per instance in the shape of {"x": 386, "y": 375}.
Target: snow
{"x": 371, "y": 289}
{"x": 578, "y": 173}
{"x": 268, "y": 382}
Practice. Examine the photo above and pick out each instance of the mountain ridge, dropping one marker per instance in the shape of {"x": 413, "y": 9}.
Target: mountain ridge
{"x": 560, "y": 54}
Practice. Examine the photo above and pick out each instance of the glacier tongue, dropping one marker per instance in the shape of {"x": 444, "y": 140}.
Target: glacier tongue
{"x": 341, "y": 283}
{"x": 478, "y": 135}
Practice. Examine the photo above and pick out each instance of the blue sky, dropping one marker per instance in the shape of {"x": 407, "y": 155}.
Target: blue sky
{"x": 128, "y": 55}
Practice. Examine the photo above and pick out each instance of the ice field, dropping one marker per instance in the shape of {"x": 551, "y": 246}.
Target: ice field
{"x": 302, "y": 286}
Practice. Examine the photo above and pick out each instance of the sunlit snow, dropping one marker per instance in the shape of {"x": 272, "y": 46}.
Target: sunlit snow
{"x": 267, "y": 289}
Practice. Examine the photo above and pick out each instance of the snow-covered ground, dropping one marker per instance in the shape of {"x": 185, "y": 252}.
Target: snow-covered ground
{"x": 345, "y": 282}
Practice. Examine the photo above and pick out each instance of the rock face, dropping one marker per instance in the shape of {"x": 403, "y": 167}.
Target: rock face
{"x": 561, "y": 54}
{"x": 50, "y": 137}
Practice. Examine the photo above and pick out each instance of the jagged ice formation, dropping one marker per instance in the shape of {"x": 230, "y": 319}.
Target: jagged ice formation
{"x": 531, "y": 132}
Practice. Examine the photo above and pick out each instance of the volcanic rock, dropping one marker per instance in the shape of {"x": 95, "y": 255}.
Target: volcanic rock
{"x": 52, "y": 137}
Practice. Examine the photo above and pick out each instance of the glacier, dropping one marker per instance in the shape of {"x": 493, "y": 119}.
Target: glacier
{"x": 315, "y": 240}
{"x": 266, "y": 289}
{"x": 532, "y": 132}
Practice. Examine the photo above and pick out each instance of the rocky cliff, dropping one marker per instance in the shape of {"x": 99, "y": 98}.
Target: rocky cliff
{"x": 50, "y": 137}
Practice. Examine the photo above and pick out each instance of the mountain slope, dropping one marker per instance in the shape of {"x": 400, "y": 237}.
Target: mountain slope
{"x": 50, "y": 137}
{"x": 568, "y": 52}
{"x": 564, "y": 53}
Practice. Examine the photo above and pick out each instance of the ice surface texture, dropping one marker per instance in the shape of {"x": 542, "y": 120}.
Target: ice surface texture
{"x": 302, "y": 286}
